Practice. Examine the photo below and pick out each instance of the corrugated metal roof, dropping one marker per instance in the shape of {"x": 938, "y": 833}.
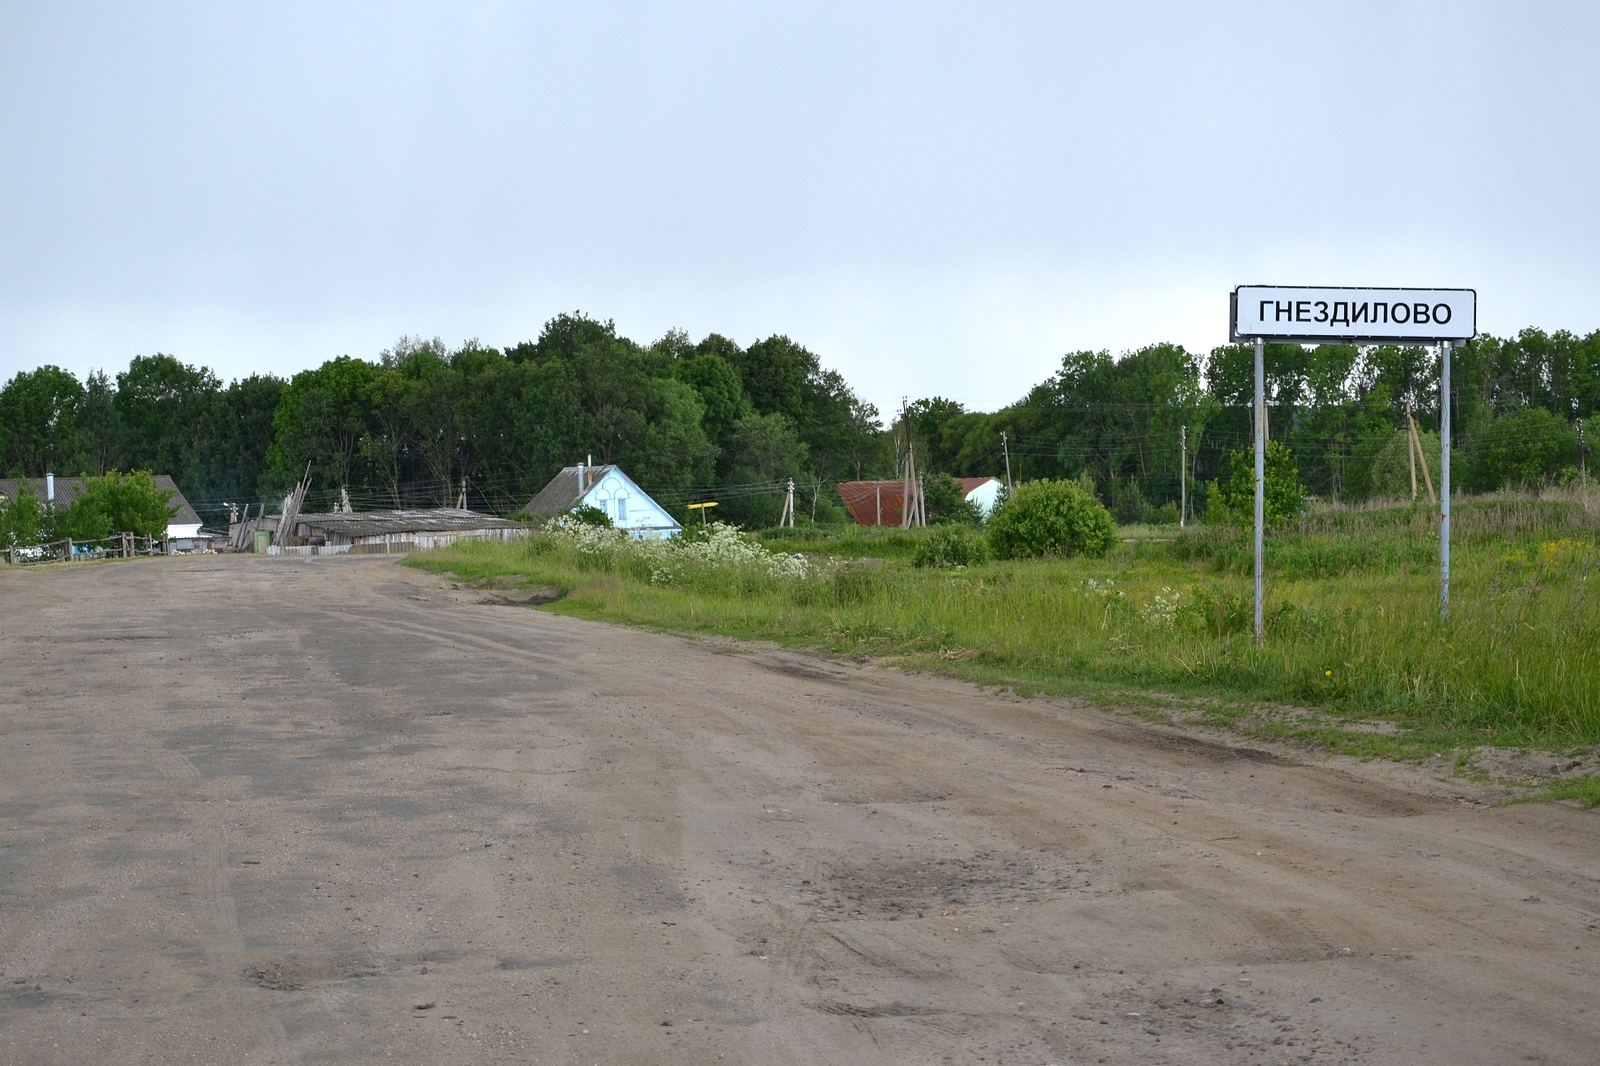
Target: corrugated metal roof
{"x": 378, "y": 523}
{"x": 67, "y": 489}
{"x": 863, "y": 498}
{"x": 561, "y": 495}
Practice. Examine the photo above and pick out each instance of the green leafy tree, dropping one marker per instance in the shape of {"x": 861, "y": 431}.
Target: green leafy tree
{"x": 946, "y": 502}
{"x": 1283, "y": 494}
{"x": 99, "y": 426}
{"x": 1116, "y": 418}
{"x": 162, "y": 406}
{"x": 38, "y": 422}
{"x": 319, "y": 423}
{"x": 117, "y": 503}
{"x": 22, "y": 519}
{"x": 1045, "y": 517}
{"x": 762, "y": 452}
{"x": 1528, "y": 447}
{"x": 229, "y": 461}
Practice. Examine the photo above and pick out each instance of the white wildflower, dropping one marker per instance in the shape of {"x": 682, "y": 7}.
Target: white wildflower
{"x": 1162, "y": 610}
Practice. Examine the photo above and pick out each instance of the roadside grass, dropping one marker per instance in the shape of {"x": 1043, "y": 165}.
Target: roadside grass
{"x": 1585, "y": 790}
{"x": 1355, "y": 661}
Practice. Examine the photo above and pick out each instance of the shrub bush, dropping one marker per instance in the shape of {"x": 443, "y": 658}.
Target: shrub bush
{"x": 589, "y": 515}
{"x": 1051, "y": 518}
{"x": 949, "y": 545}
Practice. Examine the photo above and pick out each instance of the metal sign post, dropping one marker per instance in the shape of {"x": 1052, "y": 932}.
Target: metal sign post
{"x": 1261, "y": 478}
{"x": 1444, "y": 480}
{"x": 1298, "y": 314}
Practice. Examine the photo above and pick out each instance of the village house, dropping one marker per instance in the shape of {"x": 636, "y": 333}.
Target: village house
{"x": 608, "y": 489}
{"x": 183, "y": 528}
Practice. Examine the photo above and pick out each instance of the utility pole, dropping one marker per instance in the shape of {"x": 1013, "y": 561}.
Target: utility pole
{"x": 1183, "y": 476}
{"x": 787, "y": 518}
{"x": 1411, "y": 450}
{"x": 1261, "y": 478}
{"x": 906, "y": 502}
{"x": 1583, "y": 465}
{"x": 1414, "y": 449}
{"x": 1005, "y": 446}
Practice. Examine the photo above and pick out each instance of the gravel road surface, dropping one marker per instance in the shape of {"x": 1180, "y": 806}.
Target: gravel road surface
{"x": 258, "y": 810}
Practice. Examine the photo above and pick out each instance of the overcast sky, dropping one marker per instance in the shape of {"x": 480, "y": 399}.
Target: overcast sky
{"x": 937, "y": 199}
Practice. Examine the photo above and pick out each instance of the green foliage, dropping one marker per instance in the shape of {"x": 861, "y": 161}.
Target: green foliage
{"x": 38, "y": 412}
{"x": 588, "y": 515}
{"x": 1115, "y": 419}
{"x": 117, "y": 503}
{"x": 22, "y": 520}
{"x": 407, "y": 427}
{"x": 1283, "y": 492}
{"x": 948, "y": 546}
{"x": 1525, "y": 448}
{"x": 947, "y": 502}
{"x": 1045, "y": 518}
{"x": 1128, "y": 505}
{"x": 162, "y": 406}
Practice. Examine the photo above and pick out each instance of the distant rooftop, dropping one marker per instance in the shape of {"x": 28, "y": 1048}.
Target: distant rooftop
{"x": 378, "y": 523}
{"x": 67, "y": 489}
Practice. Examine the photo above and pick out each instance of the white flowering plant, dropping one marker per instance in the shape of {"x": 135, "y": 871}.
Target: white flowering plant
{"x": 718, "y": 556}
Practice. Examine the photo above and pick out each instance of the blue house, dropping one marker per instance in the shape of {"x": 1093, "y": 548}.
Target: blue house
{"x": 610, "y": 490}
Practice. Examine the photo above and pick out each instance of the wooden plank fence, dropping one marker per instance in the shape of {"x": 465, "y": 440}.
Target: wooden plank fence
{"x": 66, "y": 550}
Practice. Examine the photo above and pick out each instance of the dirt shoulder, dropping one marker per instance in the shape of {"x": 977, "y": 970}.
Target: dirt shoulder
{"x": 334, "y": 810}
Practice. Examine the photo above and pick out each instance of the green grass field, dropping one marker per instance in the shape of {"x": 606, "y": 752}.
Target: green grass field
{"x": 1355, "y": 658}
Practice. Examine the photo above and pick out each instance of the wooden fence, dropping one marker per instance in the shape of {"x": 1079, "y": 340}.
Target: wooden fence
{"x": 66, "y": 550}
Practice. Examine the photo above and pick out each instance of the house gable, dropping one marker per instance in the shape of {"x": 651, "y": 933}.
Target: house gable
{"x": 608, "y": 489}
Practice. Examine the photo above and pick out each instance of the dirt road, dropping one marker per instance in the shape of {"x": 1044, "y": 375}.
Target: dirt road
{"x": 260, "y": 810}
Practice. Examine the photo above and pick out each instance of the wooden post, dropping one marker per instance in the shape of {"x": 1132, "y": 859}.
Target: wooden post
{"x": 1411, "y": 452}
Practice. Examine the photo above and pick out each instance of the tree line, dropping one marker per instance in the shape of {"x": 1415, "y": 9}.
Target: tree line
{"x": 1519, "y": 406}
{"x": 423, "y": 422}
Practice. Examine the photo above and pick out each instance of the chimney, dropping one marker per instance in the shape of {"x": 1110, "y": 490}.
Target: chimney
{"x": 49, "y": 488}
{"x": 580, "y": 481}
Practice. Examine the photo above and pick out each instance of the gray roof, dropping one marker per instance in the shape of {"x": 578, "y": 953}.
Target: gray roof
{"x": 377, "y": 523}
{"x": 561, "y": 495}
{"x": 67, "y": 489}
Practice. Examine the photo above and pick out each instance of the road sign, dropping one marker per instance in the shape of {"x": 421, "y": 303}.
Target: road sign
{"x": 1352, "y": 315}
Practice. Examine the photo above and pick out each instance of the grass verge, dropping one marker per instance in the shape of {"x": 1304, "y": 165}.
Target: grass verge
{"x": 1356, "y": 659}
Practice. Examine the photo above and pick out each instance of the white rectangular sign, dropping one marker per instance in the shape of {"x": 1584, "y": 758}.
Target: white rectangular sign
{"x": 1306, "y": 313}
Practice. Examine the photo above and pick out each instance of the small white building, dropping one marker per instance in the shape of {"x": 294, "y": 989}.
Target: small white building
{"x": 608, "y": 489}
{"x": 982, "y": 492}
